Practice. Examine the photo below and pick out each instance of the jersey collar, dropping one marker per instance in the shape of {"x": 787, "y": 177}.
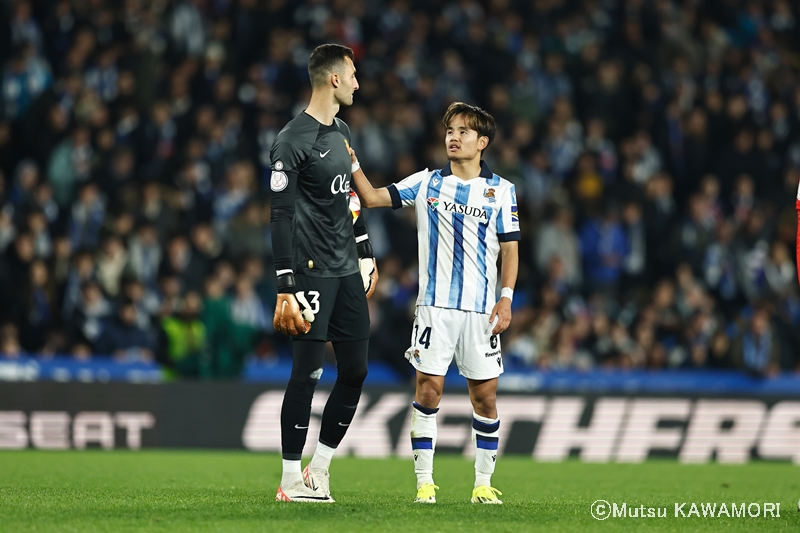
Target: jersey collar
{"x": 486, "y": 172}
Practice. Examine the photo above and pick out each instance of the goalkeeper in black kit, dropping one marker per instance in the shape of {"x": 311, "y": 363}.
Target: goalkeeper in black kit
{"x": 325, "y": 271}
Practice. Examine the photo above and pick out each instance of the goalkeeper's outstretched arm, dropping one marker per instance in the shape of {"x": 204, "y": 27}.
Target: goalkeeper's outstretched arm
{"x": 370, "y": 197}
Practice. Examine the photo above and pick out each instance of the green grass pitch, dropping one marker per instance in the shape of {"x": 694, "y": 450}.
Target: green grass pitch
{"x": 179, "y": 491}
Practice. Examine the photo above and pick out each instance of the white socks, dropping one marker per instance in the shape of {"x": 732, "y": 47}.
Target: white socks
{"x": 322, "y": 457}
{"x": 484, "y": 435}
{"x": 423, "y": 444}
{"x": 291, "y": 473}
{"x": 423, "y": 441}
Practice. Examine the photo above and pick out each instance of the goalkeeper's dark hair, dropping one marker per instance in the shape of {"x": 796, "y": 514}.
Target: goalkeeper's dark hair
{"x": 326, "y": 58}
{"x": 476, "y": 118}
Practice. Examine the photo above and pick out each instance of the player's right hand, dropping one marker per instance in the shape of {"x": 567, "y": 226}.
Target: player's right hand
{"x": 500, "y": 317}
{"x": 289, "y": 319}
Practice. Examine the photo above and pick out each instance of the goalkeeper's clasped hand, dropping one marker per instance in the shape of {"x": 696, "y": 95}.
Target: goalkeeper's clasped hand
{"x": 292, "y": 314}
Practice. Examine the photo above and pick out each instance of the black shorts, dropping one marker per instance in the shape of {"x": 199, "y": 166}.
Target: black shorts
{"x": 339, "y": 306}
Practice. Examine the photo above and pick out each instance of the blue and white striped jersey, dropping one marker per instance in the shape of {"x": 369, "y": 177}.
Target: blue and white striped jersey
{"x": 460, "y": 225}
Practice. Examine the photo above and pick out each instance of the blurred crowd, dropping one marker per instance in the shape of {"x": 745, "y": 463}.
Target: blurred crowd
{"x": 654, "y": 144}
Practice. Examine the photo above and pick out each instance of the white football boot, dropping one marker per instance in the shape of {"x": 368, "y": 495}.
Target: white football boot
{"x": 298, "y": 492}
{"x": 318, "y": 479}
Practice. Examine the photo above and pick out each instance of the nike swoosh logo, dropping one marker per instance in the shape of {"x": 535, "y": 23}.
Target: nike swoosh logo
{"x": 436, "y": 182}
{"x": 323, "y": 155}
{"x": 343, "y": 425}
{"x": 298, "y": 427}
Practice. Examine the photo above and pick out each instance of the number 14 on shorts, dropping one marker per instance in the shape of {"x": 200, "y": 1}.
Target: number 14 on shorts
{"x": 424, "y": 339}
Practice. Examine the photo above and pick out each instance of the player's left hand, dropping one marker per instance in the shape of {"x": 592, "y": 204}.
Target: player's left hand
{"x": 502, "y": 312}
{"x": 369, "y": 274}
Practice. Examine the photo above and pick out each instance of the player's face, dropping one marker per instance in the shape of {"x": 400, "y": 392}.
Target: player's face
{"x": 348, "y": 84}
{"x": 461, "y": 142}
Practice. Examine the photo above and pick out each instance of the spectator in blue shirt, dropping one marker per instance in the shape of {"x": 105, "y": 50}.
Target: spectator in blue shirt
{"x": 123, "y": 338}
{"x": 604, "y": 246}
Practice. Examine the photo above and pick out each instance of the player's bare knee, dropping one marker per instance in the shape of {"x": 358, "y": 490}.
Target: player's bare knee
{"x": 428, "y": 393}
{"x": 428, "y": 399}
{"x": 485, "y": 405}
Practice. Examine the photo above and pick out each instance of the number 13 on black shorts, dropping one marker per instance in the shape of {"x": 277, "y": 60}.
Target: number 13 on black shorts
{"x": 440, "y": 334}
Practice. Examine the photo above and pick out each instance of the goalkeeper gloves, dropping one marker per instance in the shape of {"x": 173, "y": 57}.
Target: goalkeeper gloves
{"x": 292, "y": 315}
{"x": 366, "y": 264}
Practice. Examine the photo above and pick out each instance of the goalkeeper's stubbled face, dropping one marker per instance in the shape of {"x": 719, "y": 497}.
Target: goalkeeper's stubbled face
{"x": 348, "y": 84}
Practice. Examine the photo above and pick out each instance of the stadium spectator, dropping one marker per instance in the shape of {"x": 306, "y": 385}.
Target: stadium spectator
{"x": 70, "y": 165}
{"x": 757, "y": 348}
{"x": 145, "y": 254}
{"x": 216, "y": 316}
{"x": 123, "y": 339}
{"x": 37, "y": 313}
{"x": 182, "y": 347}
{"x": 111, "y": 263}
{"x": 603, "y": 248}
{"x": 248, "y": 236}
{"x": 558, "y": 239}
{"x": 9, "y": 342}
{"x": 86, "y": 321}
{"x": 154, "y": 210}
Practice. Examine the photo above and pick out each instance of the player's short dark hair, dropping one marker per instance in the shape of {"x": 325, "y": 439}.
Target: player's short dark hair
{"x": 476, "y": 118}
{"x": 325, "y": 59}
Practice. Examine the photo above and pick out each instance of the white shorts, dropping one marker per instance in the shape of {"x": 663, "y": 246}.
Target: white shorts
{"x": 439, "y": 334}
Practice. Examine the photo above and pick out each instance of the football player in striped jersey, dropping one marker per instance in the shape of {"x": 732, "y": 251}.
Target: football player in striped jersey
{"x": 466, "y": 218}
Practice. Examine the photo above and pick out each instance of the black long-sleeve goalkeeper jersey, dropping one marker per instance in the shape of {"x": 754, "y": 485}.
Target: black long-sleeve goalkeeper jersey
{"x": 312, "y": 226}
